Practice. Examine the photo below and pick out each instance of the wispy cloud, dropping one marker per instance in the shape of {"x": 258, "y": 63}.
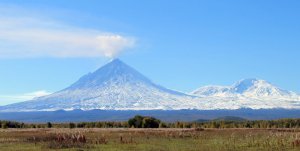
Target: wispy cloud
{"x": 9, "y": 99}
{"x": 31, "y": 36}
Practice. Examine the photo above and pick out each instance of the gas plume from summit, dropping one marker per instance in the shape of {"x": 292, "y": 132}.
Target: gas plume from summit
{"x": 26, "y": 36}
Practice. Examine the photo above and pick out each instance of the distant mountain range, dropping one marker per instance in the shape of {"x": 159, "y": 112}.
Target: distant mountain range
{"x": 117, "y": 86}
{"x": 223, "y": 118}
{"x": 247, "y": 93}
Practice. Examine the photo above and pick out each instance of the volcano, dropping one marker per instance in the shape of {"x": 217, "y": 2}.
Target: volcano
{"x": 115, "y": 86}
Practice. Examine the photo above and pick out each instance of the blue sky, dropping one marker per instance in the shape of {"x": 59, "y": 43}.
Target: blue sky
{"x": 47, "y": 45}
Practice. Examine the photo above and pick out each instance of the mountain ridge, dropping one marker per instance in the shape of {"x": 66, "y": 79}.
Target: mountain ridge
{"x": 247, "y": 93}
{"x": 117, "y": 86}
{"x": 244, "y": 86}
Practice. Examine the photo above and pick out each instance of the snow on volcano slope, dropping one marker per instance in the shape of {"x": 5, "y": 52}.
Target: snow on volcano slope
{"x": 115, "y": 86}
{"x": 247, "y": 93}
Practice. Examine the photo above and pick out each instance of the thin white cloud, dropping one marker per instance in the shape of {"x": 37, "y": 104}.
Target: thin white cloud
{"x": 9, "y": 99}
{"x": 23, "y": 36}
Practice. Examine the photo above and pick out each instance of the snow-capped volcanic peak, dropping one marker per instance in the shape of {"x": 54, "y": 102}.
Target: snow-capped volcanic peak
{"x": 115, "y": 71}
{"x": 258, "y": 88}
{"x": 247, "y": 88}
{"x": 245, "y": 84}
{"x": 115, "y": 86}
{"x": 247, "y": 93}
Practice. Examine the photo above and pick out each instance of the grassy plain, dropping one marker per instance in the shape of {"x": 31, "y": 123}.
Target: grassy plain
{"x": 121, "y": 139}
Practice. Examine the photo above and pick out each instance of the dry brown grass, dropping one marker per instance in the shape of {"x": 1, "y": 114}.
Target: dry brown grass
{"x": 151, "y": 139}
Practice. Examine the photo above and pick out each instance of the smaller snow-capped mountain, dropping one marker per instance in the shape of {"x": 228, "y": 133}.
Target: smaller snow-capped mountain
{"x": 260, "y": 88}
{"x": 246, "y": 87}
{"x": 247, "y": 93}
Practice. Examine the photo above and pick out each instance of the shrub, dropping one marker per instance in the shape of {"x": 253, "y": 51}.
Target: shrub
{"x": 72, "y": 125}
{"x": 162, "y": 125}
{"x": 49, "y": 125}
{"x": 4, "y": 125}
{"x": 150, "y": 122}
{"x": 143, "y": 122}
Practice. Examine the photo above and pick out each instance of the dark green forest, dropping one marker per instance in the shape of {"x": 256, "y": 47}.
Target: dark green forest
{"x": 151, "y": 122}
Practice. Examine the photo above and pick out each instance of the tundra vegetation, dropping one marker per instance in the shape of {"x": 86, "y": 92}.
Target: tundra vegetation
{"x": 147, "y": 134}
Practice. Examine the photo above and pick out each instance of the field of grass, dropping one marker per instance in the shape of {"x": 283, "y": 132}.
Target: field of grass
{"x": 150, "y": 139}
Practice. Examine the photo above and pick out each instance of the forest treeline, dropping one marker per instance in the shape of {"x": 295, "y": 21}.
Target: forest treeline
{"x": 151, "y": 122}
